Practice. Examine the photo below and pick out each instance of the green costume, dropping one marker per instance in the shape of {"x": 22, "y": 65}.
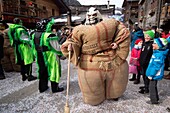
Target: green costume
{"x": 19, "y": 38}
{"x": 51, "y": 56}
{"x": 47, "y": 52}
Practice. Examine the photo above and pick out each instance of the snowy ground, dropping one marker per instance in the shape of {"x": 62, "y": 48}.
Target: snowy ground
{"x": 17, "y": 96}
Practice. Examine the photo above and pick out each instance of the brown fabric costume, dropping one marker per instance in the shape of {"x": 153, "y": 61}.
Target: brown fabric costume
{"x": 102, "y": 71}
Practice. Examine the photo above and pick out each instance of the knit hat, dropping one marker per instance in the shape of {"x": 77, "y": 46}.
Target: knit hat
{"x": 150, "y": 33}
{"x": 161, "y": 42}
{"x": 137, "y": 41}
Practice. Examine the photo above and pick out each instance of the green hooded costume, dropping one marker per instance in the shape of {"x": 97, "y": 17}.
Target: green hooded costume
{"x": 47, "y": 42}
{"x": 19, "y": 38}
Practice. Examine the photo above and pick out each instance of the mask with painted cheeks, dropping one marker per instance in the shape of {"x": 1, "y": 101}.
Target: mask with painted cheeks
{"x": 93, "y": 16}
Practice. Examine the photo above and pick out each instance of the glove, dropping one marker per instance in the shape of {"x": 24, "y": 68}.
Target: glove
{"x": 150, "y": 78}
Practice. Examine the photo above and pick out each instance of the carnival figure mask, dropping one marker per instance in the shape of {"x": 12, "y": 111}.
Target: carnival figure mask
{"x": 41, "y": 25}
{"x": 93, "y": 16}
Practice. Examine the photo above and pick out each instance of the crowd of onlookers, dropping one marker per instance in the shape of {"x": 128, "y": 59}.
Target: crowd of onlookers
{"x": 149, "y": 58}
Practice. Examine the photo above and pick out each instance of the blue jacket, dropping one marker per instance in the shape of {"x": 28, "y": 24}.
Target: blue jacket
{"x": 136, "y": 35}
{"x": 156, "y": 65}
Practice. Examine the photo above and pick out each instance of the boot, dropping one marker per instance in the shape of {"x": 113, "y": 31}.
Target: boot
{"x": 2, "y": 76}
{"x": 133, "y": 77}
{"x": 55, "y": 88}
{"x": 43, "y": 89}
{"x": 116, "y": 99}
{"x": 142, "y": 87}
{"x": 24, "y": 77}
{"x": 137, "y": 81}
{"x": 31, "y": 78}
{"x": 144, "y": 90}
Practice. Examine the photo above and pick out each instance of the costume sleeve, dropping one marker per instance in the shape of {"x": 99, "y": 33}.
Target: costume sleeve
{"x": 53, "y": 44}
{"x": 75, "y": 39}
{"x": 122, "y": 39}
{"x": 25, "y": 38}
{"x": 49, "y": 25}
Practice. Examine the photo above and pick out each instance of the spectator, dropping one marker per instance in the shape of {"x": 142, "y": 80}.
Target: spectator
{"x": 2, "y": 27}
{"x": 166, "y": 34}
{"x": 137, "y": 33}
{"x": 134, "y": 61}
{"x": 155, "y": 70}
{"x": 167, "y": 59}
{"x": 157, "y": 34}
{"x": 146, "y": 53}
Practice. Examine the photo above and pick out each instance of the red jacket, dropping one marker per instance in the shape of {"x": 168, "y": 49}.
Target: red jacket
{"x": 135, "y": 55}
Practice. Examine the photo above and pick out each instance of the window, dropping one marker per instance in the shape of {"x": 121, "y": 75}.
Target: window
{"x": 53, "y": 12}
{"x": 44, "y": 8}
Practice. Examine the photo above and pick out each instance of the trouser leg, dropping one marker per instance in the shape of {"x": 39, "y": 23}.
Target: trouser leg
{"x": 43, "y": 79}
{"x": 29, "y": 69}
{"x": 146, "y": 82}
{"x": 23, "y": 72}
{"x": 29, "y": 72}
{"x": 166, "y": 64}
{"x": 2, "y": 76}
{"x": 43, "y": 73}
{"x": 137, "y": 81}
{"x": 153, "y": 91}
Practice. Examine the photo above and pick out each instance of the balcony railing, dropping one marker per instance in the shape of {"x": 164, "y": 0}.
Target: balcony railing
{"x": 24, "y": 10}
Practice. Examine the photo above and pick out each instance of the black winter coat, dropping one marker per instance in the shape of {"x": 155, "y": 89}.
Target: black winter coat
{"x": 146, "y": 53}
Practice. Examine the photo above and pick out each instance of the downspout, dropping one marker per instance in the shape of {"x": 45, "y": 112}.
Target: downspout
{"x": 1, "y": 3}
{"x": 159, "y": 12}
{"x": 19, "y": 5}
{"x": 146, "y": 13}
{"x": 69, "y": 18}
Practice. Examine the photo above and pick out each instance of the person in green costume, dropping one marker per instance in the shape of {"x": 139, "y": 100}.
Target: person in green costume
{"x": 47, "y": 58}
{"x": 20, "y": 39}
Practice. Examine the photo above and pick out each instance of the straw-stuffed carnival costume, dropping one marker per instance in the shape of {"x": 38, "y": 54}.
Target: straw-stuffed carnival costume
{"x": 102, "y": 66}
{"x": 49, "y": 68}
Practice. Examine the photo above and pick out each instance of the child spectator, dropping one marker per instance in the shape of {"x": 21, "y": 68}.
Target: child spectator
{"x": 166, "y": 34}
{"x": 134, "y": 61}
{"x": 146, "y": 53}
{"x": 155, "y": 70}
{"x": 167, "y": 59}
